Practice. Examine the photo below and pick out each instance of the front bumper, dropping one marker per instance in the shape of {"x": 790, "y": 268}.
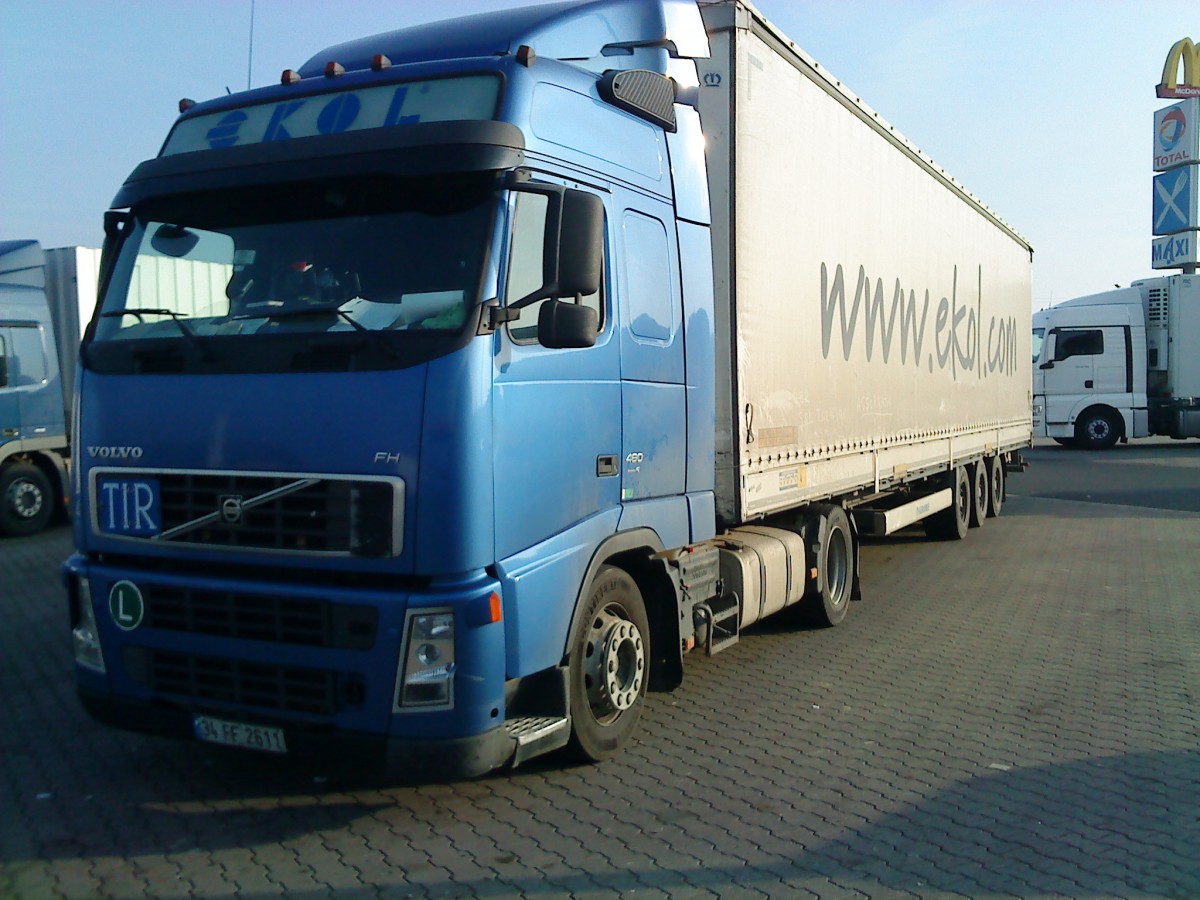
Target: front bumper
{"x": 394, "y": 759}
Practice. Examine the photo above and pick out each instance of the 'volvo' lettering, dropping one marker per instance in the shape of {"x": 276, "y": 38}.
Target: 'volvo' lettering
{"x": 115, "y": 452}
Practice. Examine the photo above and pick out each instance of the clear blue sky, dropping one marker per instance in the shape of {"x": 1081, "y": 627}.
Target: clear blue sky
{"x": 1042, "y": 109}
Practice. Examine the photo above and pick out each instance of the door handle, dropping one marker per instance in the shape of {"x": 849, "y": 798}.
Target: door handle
{"x": 1088, "y": 383}
{"x": 606, "y": 465}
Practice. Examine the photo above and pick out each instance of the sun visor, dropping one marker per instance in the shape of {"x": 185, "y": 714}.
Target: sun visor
{"x": 412, "y": 150}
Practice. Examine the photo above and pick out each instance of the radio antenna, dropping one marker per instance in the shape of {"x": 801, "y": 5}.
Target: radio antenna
{"x": 250, "y": 60}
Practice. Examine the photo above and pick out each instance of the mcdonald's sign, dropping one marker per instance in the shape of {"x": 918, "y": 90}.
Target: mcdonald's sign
{"x": 1185, "y": 55}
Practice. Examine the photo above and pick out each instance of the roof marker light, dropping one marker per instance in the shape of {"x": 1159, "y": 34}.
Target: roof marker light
{"x": 289, "y": 76}
{"x": 333, "y": 69}
{"x": 379, "y": 62}
{"x": 526, "y": 56}
{"x": 185, "y": 104}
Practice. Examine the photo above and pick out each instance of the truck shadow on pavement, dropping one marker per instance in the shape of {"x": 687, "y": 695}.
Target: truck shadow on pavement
{"x": 1115, "y": 825}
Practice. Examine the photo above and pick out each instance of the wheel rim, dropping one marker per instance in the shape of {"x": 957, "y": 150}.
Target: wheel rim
{"x": 981, "y": 490}
{"x": 614, "y": 664}
{"x": 25, "y": 499}
{"x": 1099, "y": 429}
{"x": 964, "y": 501}
{"x": 836, "y": 568}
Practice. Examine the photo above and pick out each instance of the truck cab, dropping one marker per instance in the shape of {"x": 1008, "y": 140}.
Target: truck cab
{"x": 389, "y": 365}
{"x": 33, "y": 436}
{"x": 1089, "y": 370}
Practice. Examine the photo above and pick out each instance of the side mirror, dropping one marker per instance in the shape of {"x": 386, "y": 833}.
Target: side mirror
{"x": 578, "y": 247}
{"x": 567, "y": 326}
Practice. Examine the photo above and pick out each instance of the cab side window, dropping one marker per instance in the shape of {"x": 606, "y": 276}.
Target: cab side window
{"x": 525, "y": 267}
{"x": 23, "y": 359}
{"x": 1078, "y": 342}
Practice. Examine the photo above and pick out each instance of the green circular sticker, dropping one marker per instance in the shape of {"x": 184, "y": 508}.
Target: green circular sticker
{"x": 125, "y": 605}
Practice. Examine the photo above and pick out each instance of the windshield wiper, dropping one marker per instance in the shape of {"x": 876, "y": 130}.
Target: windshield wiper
{"x": 140, "y": 312}
{"x": 375, "y": 337}
{"x": 285, "y": 312}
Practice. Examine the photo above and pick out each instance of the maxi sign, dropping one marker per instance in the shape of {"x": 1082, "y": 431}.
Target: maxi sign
{"x": 1176, "y": 206}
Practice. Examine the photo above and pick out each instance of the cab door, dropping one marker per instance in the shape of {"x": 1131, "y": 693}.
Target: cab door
{"x": 1070, "y": 373}
{"x": 31, "y": 402}
{"x": 556, "y": 412}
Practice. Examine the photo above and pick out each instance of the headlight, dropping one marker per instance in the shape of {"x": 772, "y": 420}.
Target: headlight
{"x": 427, "y": 678}
{"x": 85, "y": 636}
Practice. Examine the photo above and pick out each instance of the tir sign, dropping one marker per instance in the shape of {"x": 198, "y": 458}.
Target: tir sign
{"x": 1186, "y": 55}
{"x": 129, "y": 506}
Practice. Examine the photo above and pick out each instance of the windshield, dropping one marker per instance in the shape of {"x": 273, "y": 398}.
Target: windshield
{"x": 1039, "y": 337}
{"x": 220, "y": 275}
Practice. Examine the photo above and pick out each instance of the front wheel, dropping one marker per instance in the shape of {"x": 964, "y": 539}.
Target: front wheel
{"x": 610, "y": 666}
{"x": 1097, "y": 430}
{"x": 26, "y": 499}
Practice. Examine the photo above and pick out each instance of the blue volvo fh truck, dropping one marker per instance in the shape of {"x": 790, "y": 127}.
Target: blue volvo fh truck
{"x": 443, "y": 396}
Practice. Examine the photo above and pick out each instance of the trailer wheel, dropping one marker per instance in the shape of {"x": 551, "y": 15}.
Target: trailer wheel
{"x": 951, "y": 524}
{"x": 26, "y": 499}
{"x": 610, "y": 666}
{"x": 1097, "y": 430}
{"x": 979, "y": 491}
{"x": 997, "y": 486}
{"x": 829, "y": 600}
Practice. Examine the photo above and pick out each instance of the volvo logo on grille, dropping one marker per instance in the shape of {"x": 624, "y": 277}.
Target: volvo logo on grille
{"x": 231, "y": 509}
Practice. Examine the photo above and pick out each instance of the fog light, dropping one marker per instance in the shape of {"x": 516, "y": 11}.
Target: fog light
{"x": 428, "y": 654}
{"x": 85, "y": 636}
{"x": 428, "y": 676}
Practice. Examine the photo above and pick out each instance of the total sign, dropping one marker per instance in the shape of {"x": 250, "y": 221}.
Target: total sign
{"x": 1177, "y": 135}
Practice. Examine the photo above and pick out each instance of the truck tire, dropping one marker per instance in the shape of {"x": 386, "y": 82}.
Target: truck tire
{"x": 979, "y": 494}
{"x": 1097, "y": 429}
{"x": 828, "y": 600}
{"x": 26, "y": 499}
{"x": 997, "y": 486}
{"x": 609, "y": 666}
{"x": 951, "y": 524}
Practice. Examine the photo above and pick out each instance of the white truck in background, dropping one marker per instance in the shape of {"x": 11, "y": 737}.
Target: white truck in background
{"x": 1120, "y": 364}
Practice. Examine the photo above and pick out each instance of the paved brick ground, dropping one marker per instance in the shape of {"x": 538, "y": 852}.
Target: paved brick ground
{"x": 1012, "y": 715}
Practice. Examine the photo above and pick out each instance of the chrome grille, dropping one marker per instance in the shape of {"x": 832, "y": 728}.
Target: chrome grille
{"x": 305, "y": 514}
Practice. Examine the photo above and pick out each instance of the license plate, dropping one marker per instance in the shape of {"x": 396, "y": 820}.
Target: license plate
{"x": 239, "y": 734}
{"x": 129, "y": 506}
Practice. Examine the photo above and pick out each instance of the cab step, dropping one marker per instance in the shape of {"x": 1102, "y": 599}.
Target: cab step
{"x": 722, "y": 616}
{"x": 536, "y": 735}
